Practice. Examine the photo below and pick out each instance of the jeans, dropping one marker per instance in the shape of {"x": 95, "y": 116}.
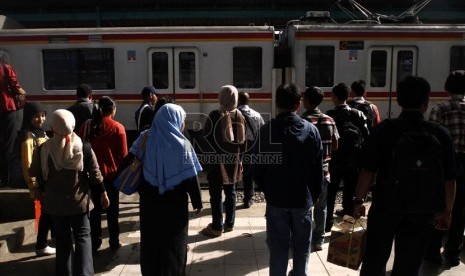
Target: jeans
{"x": 217, "y": 204}
{"x": 79, "y": 261}
{"x": 319, "y": 213}
{"x": 45, "y": 224}
{"x": 410, "y": 233}
{"x": 112, "y": 217}
{"x": 281, "y": 223}
{"x": 9, "y": 126}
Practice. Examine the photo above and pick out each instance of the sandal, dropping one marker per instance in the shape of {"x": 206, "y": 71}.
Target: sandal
{"x": 210, "y": 232}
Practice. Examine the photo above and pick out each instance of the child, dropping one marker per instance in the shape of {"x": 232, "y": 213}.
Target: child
{"x": 30, "y": 137}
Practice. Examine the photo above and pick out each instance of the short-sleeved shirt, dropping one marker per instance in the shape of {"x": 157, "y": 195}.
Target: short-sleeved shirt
{"x": 328, "y": 132}
{"x": 376, "y": 156}
{"x": 451, "y": 115}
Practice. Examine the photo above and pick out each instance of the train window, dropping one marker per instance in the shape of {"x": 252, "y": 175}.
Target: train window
{"x": 319, "y": 66}
{"x": 247, "y": 67}
{"x": 404, "y": 64}
{"x": 160, "y": 70}
{"x": 187, "y": 70}
{"x": 378, "y": 70}
{"x": 457, "y": 58}
{"x": 65, "y": 69}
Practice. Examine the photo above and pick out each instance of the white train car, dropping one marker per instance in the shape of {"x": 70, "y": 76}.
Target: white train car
{"x": 326, "y": 54}
{"x": 189, "y": 64}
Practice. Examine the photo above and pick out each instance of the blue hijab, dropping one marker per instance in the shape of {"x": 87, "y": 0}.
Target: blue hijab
{"x": 169, "y": 156}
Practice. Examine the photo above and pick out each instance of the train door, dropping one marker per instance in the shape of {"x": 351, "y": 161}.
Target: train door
{"x": 174, "y": 71}
{"x": 387, "y": 66}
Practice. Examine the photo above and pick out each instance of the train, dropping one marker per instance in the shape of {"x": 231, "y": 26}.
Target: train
{"x": 190, "y": 64}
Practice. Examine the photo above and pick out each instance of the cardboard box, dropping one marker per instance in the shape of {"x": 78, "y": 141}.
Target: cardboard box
{"x": 347, "y": 242}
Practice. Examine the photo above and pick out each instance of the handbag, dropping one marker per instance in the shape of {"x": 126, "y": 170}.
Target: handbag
{"x": 20, "y": 96}
{"x": 129, "y": 178}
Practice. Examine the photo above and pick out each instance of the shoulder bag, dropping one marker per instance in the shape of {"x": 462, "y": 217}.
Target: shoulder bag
{"x": 130, "y": 178}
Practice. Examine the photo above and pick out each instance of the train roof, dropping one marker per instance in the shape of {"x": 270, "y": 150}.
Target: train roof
{"x": 139, "y": 30}
{"x": 380, "y": 27}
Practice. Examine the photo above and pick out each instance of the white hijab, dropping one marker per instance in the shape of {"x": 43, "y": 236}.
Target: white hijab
{"x": 65, "y": 147}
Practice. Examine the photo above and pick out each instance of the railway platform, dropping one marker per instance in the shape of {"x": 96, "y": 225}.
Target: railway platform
{"x": 240, "y": 252}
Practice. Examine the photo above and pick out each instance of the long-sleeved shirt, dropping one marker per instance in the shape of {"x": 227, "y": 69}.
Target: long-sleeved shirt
{"x": 289, "y": 165}
{"x": 29, "y": 144}
{"x": 110, "y": 146}
{"x": 7, "y": 101}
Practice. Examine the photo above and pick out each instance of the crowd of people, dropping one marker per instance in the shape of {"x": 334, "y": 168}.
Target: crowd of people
{"x": 414, "y": 168}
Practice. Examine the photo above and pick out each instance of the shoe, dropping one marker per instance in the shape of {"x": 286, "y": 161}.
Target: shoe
{"x": 248, "y": 203}
{"x": 116, "y": 246}
{"x": 47, "y": 251}
{"x": 228, "y": 229}
{"x": 434, "y": 258}
{"x": 317, "y": 247}
{"x": 210, "y": 232}
{"x": 452, "y": 260}
{"x": 328, "y": 228}
{"x": 340, "y": 213}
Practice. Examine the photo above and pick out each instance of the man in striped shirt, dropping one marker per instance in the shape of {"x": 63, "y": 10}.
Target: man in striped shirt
{"x": 451, "y": 115}
{"x": 312, "y": 97}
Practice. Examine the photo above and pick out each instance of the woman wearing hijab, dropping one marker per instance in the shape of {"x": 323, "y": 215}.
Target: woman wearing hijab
{"x": 108, "y": 140}
{"x": 170, "y": 173}
{"x": 225, "y": 132}
{"x": 31, "y": 136}
{"x": 68, "y": 167}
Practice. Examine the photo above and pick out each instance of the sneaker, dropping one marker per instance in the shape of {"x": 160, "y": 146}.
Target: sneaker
{"x": 340, "y": 213}
{"x": 228, "y": 229}
{"x": 317, "y": 247}
{"x": 210, "y": 232}
{"x": 434, "y": 258}
{"x": 452, "y": 260}
{"x": 46, "y": 251}
{"x": 116, "y": 246}
{"x": 248, "y": 203}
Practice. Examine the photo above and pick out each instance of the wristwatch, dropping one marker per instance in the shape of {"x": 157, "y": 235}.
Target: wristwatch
{"x": 358, "y": 201}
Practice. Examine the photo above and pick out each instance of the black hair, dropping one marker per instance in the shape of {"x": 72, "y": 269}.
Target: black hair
{"x": 341, "y": 91}
{"x": 288, "y": 96}
{"x": 358, "y": 87}
{"x": 455, "y": 83}
{"x": 314, "y": 95}
{"x": 83, "y": 91}
{"x": 413, "y": 92}
{"x": 243, "y": 98}
{"x": 106, "y": 105}
{"x": 161, "y": 102}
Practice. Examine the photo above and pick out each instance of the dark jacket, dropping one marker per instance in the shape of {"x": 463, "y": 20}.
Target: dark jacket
{"x": 82, "y": 111}
{"x": 289, "y": 162}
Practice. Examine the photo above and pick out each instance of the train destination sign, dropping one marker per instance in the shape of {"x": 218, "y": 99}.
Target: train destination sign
{"x": 351, "y": 45}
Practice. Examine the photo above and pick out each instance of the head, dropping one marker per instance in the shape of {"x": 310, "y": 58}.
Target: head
{"x": 413, "y": 93}
{"x": 62, "y": 122}
{"x": 3, "y": 57}
{"x": 340, "y": 93}
{"x": 358, "y": 88}
{"x": 455, "y": 83}
{"x": 107, "y": 106}
{"x": 34, "y": 116}
{"x": 149, "y": 94}
{"x": 170, "y": 115}
{"x": 243, "y": 98}
{"x": 288, "y": 97}
{"x": 313, "y": 96}
{"x": 161, "y": 102}
{"x": 84, "y": 91}
{"x": 228, "y": 97}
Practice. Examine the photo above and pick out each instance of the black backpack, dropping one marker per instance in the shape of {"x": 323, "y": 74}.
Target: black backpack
{"x": 347, "y": 156}
{"x": 414, "y": 183}
{"x": 365, "y": 107}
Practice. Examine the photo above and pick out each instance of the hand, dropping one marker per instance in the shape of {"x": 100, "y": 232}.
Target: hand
{"x": 104, "y": 200}
{"x": 442, "y": 220}
{"x": 359, "y": 211}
